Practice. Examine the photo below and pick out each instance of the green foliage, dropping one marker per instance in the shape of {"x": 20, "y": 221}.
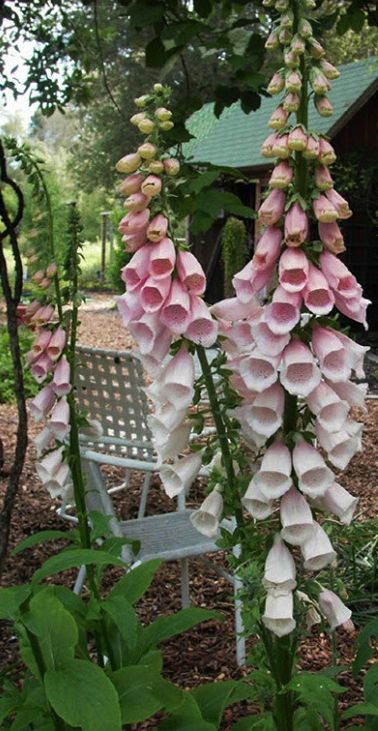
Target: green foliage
{"x": 234, "y": 251}
{"x": 6, "y": 366}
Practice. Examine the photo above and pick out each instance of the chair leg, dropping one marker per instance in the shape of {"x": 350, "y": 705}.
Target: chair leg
{"x": 144, "y": 495}
{"x": 79, "y": 583}
{"x": 239, "y": 625}
{"x": 185, "y": 596}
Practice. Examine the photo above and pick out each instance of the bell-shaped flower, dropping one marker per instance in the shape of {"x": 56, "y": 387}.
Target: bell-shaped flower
{"x": 291, "y": 102}
{"x": 136, "y": 271}
{"x": 232, "y": 309}
{"x": 339, "y": 203}
{"x": 136, "y": 202}
{"x": 284, "y": 311}
{"x": 157, "y": 228}
{"x": 333, "y": 609}
{"x": 42, "y": 403}
{"x": 329, "y": 70}
{"x": 339, "y": 501}
{"x": 340, "y": 446}
{"x": 334, "y": 358}
{"x": 293, "y": 81}
{"x": 151, "y": 186}
{"x": 59, "y": 482}
{"x": 175, "y": 313}
{"x": 317, "y": 295}
{"x": 92, "y": 429}
{"x": 317, "y": 550}
{"x": 157, "y": 351}
{"x": 356, "y": 352}
{"x": 42, "y": 440}
{"x": 265, "y": 415}
{"x": 281, "y": 176}
{"x": 168, "y": 415}
{"x": 259, "y": 371}
{"x": 179, "y": 476}
{"x": 61, "y": 381}
{"x": 323, "y": 179}
{"x": 154, "y": 293}
{"x": 296, "y": 517}
{"x": 50, "y": 464}
{"x": 144, "y": 331}
{"x": 331, "y": 412}
{"x": 41, "y": 367}
{"x": 353, "y": 393}
{"x": 332, "y": 237}
{"x": 251, "y": 280}
{"x": 240, "y": 335}
{"x": 60, "y": 419}
{"x": 162, "y": 259}
{"x": 202, "y": 328}
{"x": 274, "y": 475}
{"x": 128, "y": 163}
{"x": 278, "y": 118}
{"x": 129, "y": 306}
{"x": 297, "y": 139}
{"x": 327, "y": 154}
{"x": 267, "y": 341}
{"x": 299, "y": 374}
{"x": 267, "y": 145}
{"x": 40, "y": 344}
{"x": 56, "y": 344}
{"x": 324, "y": 210}
{"x": 312, "y": 148}
{"x": 267, "y": 248}
{"x": 42, "y": 316}
{"x": 272, "y": 208}
{"x": 134, "y": 222}
{"x": 280, "y": 147}
{"x": 314, "y": 477}
{"x": 206, "y": 518}
{"x": 177, "y": 379}
{"x": 338, "y": 276}
{"x": 296, "y": 226}
{"x": 276, "y": 84}
{"x": 171, "y": 166}
{"x": 354, "y": 308}
{"x": 133, "y": 242}
{"x": 279, "y": 571}
{"x": 131, "y": 184}
{"x": 323, "y": 106}
{"x": 278, "y": 614}
{"x": 293, "y": 270}
{"x": 190, "y": 272}
{"x": 169, "y": 444}
{"x": 256, "y": 503}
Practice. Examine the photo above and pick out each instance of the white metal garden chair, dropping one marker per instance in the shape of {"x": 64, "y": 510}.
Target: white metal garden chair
{"x": 110, "y": 387}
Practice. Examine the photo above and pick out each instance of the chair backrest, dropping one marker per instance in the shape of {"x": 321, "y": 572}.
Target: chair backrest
{"x": 110, "y": 388}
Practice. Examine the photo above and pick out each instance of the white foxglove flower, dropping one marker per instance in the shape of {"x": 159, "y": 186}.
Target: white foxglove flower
{"x": 58, "y": 483}
{"x": 330, "y": 410}
{"x": 279, "y": 573}
{"x": 256, "y": 503}
{"x": 353, "y": 393}
{"x": 93, "y": 429}
{"x": 274, "y": 476}
{"x": 178, "y": 378}
{"x": 171, "y": 444}
{"x": 333, "y": 608}
{"x": 339, "y": 501}
{"x": 340, "y": 446}
{"x": 312, "y": 617}
{"x": 60, "y": 419}
{"x": 206, "y": 518}
{"x": 265, "y": 415}
{"x": 314, "y": 477}
{"x": 278, "y": 614}
{"x": 317, "y": 550}
{"x": 42, "y": 440}
{"x": 296, "y": 518}
{"x": 179, "y": 476}
{"x": 300, "y": 374}
{"x": 259, "y": 371}
{"x": 166, "y": 416}
{"x": 50, "y": 464}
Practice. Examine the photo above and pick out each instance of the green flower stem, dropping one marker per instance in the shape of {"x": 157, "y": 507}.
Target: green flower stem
{"x": 221, "y": 431}
{"x": 38, "y": 657}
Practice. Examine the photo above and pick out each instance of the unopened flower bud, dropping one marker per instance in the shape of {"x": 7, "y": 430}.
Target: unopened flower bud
{"x": 284, "y": 36}
{"x": 147, "y": 151}
{"x": 156, "y": 166}
{"x": 166, "y": 126}
{"x": 146, "y": 126}
{"x": 280, "y": 147}
{"x": 315, "y": 48}
{"x": 327, "y": 154}
{"x": 293, "y": 81}
{"x": 151, "y": 186}
{"x": 323, "y": 106}
{"x": 287, "y": 20}
{"x": 297, "y": 45}
{"x": 158, "y": 88}
{"x": 278, "y": 118}
{"x": 140, "y": 101}
{"x": 319, "y": 83}
{"x": 312, "y": 149}
{"x": 304, "y": 28}
{"x": 329, "y": 70}
{"x": 276, "y": 83}
{"x": 32, "y": 259}
{"x": 291, "y": 102}
{"x": 51, "y": 269}
{"x": 128, "y": 163}
{"x": 281, "y": 5}
{"x": 45, "y": 283}
{"x": 297, "y": 139}
{"x": 272, "y": 41}
{"x": 136, "y": 118}
{"x": 38, "y": 276}
{"x": 171, "y": 166}
{"x": 281, "y": 176}
{"x": 136, "y": 202}
{"x": 291, "y": 59}
{"x": 163, "y": 114}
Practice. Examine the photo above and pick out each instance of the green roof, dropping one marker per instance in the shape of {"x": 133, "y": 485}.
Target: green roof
{"x": 235, "y": 138}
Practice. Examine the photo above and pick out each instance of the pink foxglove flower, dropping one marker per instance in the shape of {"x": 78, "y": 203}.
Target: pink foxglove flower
{"x": 50, "y": 464}
{"x": 42, "y": 316}
{"x": 267, "y": 145}
{"x": 56, "y": 344}
{"x": 267, "y": 248}
{"x": 60, "y": 419}
{"x": 133, "y": 242}
{"x": 178, "y": 378}
{"x": 339, "y": 203}
{"x": 296, "y": 226}
{"x": 299, "y": 375}
{"x": 251, "y": 280}
{"x": 276, "y": 84}
{"x": 206, "y": 518}
{"x": 320, "y": 84}
{"x": 333, "y": 608}
{"x": 279, "y": 571}
{"x": 280, "y": 147}
{"x": 293, "y": 270}
{"x": 338, "y": 276}
{"x": 171, "y": 166}
{"x": 167, "y": 417}
{"x": 259, "y": 371}
{"x": 334, "y": 358}
{"x": 154, "y": 293}
{"x": 129, "y": 306}
{"x": 179, "y": 476}
{"x": 329, "y": 70}
{"x": 256, "y": 503}
{"x": 151, "y": 186}
{"x": 42, "y": 403}
{"x": 356, "y": 352}
{"x": 284, "y": 311}
{"x": 353, "y": 393}
{"x": 296, "y": 517}
{"x": 41, "y": 367}
{"x": 323, "y": 179}
{"x": 332, "y": 237}
{"x": 340, "y": 446}
{"x": 339, "y": 501}
{"x": 330, "y": 410}
{"x": 232, "y": 309}
{"x": 272, "y": 208}
{"x": 41, "y": 343}
{"x": 267, "y": 341}
{"x": 162, "y": 259}
{"x": 317, "y": 295}
{"x": 136, "y": 271}
{"x": 157, "y": 351}
{"x": 136, "y": 202}
{"x": 145, "y": 329}
{"x": 266, "y": 412}
{"x": 274, "y": 475}
{"x": 278, "y": 614}
{"x": 134, "y": 222}
{"x": 291, "y": 102}
{"x": 324, "y": 211}
{"x": 281, "y": 176}
{"x": 129, "y": 163}
{"x": 314, "y": 477}
{"x": 202, "y": 328}
{"x": 157, "y": 228}
{"x": 131, "y": 184}
{"x": 42, "y": 440}
{"x": 297, "y": 139}
{"x": 323, "y": 106}
{"x": 175, "y": 313}
{"x": 60, "y": 485}
{"x": 61, "y": 381}
{"x": 312, "y": 148}
{"x": 354, "y": 308}
{"x": 293, "y": 82}
{"x": 326, "y": 152}
{"x": 317, "y": 550}
{"x": 278, "y": 118}
{"x": 190, "y": 272}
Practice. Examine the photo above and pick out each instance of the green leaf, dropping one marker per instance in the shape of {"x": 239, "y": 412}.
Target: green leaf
{"x": 54, "y": 628}
{"x": 371, "y": 684}
{"x": 74, "y": 558}
{"x": 145, "y": 13}
{"x": 174, "y": 624}
{"x": 183, "y": 32}
{"x": 263, "y": 722}
{"x": 138, "y": 688}
{"x": 203, "y": 7}
{"x": 121, "y": 612}
{"x": 213, "y": 698}
{"x": 187, "y": 718}
{"x": 11, "y": 600}
{"x": 136, "y": 582}
{"x": 365, "y": 650}
{"x": 361, "y": 709}
{"x": 43, "y": 536}
{"x": 82, "y": 695}
{"x": 155, "y": 53}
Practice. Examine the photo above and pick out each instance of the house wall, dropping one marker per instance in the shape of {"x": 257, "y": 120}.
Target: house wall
{"x": 361, "y": 130}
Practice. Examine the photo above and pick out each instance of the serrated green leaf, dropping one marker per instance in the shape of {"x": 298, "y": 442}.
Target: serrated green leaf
{"x": 82, "y": 695}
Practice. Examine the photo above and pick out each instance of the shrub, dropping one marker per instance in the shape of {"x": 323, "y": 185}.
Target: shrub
{"x": 234, "y": 251}
{"x": 6, "y": 366}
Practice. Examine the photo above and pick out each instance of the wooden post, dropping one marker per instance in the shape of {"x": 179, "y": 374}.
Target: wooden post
{"x": 104, "y": 220}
